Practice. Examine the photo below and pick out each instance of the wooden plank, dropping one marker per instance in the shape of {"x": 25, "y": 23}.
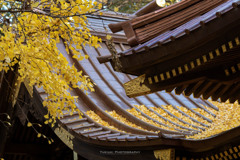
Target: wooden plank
{"x": 150, "y": 31}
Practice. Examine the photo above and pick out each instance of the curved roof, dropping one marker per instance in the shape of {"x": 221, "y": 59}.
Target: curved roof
{"x": 110, "y": 95}
{"x": 112, "y": 121}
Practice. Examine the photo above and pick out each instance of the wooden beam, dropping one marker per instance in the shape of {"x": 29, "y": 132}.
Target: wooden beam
{"x": 211, "y": 90}
{"x": 230, "y": 92}
{"x": 235, "y": 96}
{"x": 201, "y": 89}
{"x": 180, "y": 89}
{"x": 192, "y": 87}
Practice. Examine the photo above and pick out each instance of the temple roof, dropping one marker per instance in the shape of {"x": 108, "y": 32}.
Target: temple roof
{"x": 176, "y": 42}
{"x": 172, "y": 21}
{"x": 111, "y": 121}
{"x": 159, "y": 120}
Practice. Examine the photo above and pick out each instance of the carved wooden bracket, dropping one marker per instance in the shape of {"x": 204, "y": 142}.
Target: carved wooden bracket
{"x": 165, "y": 154}
{"x": 65, "y": 136}
{"x": 136, "y": 87}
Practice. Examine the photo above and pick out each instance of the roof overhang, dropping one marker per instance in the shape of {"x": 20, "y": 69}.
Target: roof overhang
{"x": 166, "y": 64}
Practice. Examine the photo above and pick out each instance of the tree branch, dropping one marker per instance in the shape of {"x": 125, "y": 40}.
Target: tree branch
{"x": 41, "y": 12}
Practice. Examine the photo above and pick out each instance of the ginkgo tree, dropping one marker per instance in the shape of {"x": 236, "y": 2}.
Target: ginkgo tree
{"x": 29, "y": 33}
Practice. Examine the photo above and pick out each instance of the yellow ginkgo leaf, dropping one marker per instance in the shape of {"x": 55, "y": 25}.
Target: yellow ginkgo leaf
{"x": 39, "y": 135}
{"x": 29, "y": 124}
{"x": 108, "y": 37}
{"x": 116, "y": 9}
{"x": 46, "y": 116}
{"x": 35, "y": 4}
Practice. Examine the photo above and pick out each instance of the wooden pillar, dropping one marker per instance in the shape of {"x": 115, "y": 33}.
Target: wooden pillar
{"x": 75, "y": 156}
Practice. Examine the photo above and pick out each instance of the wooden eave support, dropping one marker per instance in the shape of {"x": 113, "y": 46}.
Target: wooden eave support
{"x": 208, "y": 74}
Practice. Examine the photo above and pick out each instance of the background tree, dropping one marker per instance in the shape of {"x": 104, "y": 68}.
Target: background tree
{"x": 128, "y": 6}
{"x": 30, "y": 31}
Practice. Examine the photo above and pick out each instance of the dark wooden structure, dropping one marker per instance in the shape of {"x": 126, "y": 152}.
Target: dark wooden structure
{"x": 191, "y": 47}
{"x": 90, "y": 139}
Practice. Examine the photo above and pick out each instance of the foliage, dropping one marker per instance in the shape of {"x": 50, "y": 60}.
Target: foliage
{"x": 6, "y": 122}
{"x": 30, "y": 31}
{"x": 128, "y": 6}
